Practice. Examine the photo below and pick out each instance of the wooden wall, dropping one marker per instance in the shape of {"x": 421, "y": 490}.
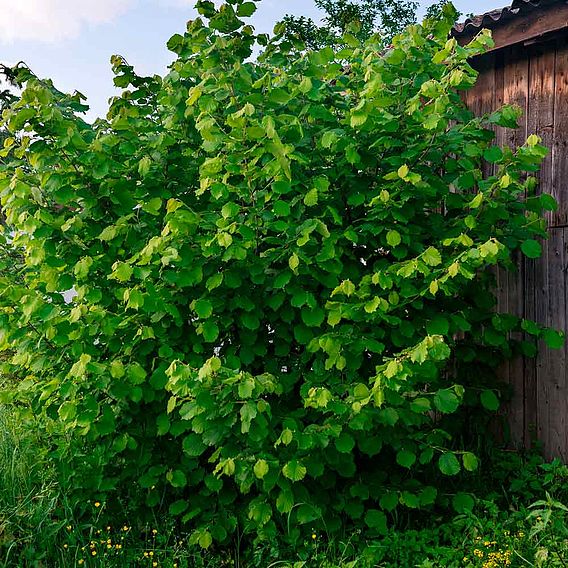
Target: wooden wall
{"x": 535, "y": 77}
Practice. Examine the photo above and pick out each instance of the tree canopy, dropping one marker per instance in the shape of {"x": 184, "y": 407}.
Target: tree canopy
{"x": 361, "y": 17}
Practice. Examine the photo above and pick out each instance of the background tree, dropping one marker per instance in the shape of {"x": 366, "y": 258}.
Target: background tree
{"x": 8, "y": 83}
{"x": 388, "y": 17}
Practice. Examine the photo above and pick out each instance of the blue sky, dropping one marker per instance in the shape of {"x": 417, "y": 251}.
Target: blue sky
{"x": 71, "y": 41}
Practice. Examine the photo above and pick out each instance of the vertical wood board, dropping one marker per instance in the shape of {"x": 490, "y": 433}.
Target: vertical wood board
{"x": 559, "y": 187}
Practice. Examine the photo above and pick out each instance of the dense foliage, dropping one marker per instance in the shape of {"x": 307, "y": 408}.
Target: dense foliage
{"x": 281, "y": 309}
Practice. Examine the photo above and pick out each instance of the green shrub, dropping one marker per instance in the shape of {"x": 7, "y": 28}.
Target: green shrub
{"x": 283, "y": 316}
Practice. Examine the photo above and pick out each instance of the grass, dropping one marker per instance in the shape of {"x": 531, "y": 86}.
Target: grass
{"x": 29, "y": 494}
{"x": 521, "y": 525}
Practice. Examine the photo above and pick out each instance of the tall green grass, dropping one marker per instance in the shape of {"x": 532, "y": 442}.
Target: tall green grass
{"x": 29, "y": 494}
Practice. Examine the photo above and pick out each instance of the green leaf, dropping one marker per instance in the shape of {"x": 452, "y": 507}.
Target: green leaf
{"x": 230, "y": 210}
{"x": 281, "y": 187}
{"x": 431, "y": 256}
{"x": 279, "y": 96}
{"x": 224, "y": 239}
{"x": 439, "y": 325}
{"x": 293, "y": 262}
{"x": 345, "y": 443}
{"x": 346, "y": 287}
{"x": 531, "y": 248}
{"x": 281, "y": 208}
{"x": 372, "y": 305}
{"x": 144, "y": 166}
{"x": 67, "y": 411}
{"x": 470, "y": 461}
{"x": 476, "y": 201}
{"x": 428, "y": 496}
{"x": 358, "y": 118}
{"x": 294, "y": 470}
{"x": 489, "y": 400}
{"x": 214, "y": 281}
{"x": 406, "y": 458}
{"x": 117, "y": 369}
{"x": 463, "y": 503}
{"x": 393, "y": 238}
{"x": 210, "y": 331}
{"x": 136, "y": 374}
{"x": 553, "y": 338}
{"x": 203, "y": 308}
{"x": 409, "y": 499}
{"x": 311, "y": 198}
{"x": 193, "y": 445}
{"x": 261, "y": 469}
{"x": 285, "y": 501}
{"x": 246, "y": 9}
{"x": 403, "y": 171}
{"x": 446, "y": 401}
{"x": 389, "y": 501}
{"x": 246, "y": 387}
{"x": 376, "y": 520}
{"x": 329, "y": 138}
{"x": 547, "y": 202}
{"x": 448, "y": 464}
{"x": 313, "y": 318}
{"x": 205, "y": 540}
{"x": 178, "y": 507}
{"x": 177, "y": 478}
{"x": 121, "y": 272}
{"x": 493, "y": 154}
{"x": 163, "y": 424}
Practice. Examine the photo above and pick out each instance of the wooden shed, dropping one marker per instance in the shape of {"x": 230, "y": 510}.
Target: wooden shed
{"x": 529, "y": 67}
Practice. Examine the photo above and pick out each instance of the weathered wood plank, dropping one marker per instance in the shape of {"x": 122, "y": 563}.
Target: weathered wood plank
{"x": 480, "y": 98}
{"x": 540, "y": 120}
{"x": 558, "y": 388}
{"x": 559, "y": 187}
{"x": 515, "y": 92}
{"x": 551, "y": 364}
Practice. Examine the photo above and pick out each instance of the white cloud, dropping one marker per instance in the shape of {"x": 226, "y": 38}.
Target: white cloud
{"x": 55, "y": 20}
{"x": 176, "y": 3}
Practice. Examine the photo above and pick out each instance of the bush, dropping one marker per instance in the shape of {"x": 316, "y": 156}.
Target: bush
{"x": 282, "y": 317}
